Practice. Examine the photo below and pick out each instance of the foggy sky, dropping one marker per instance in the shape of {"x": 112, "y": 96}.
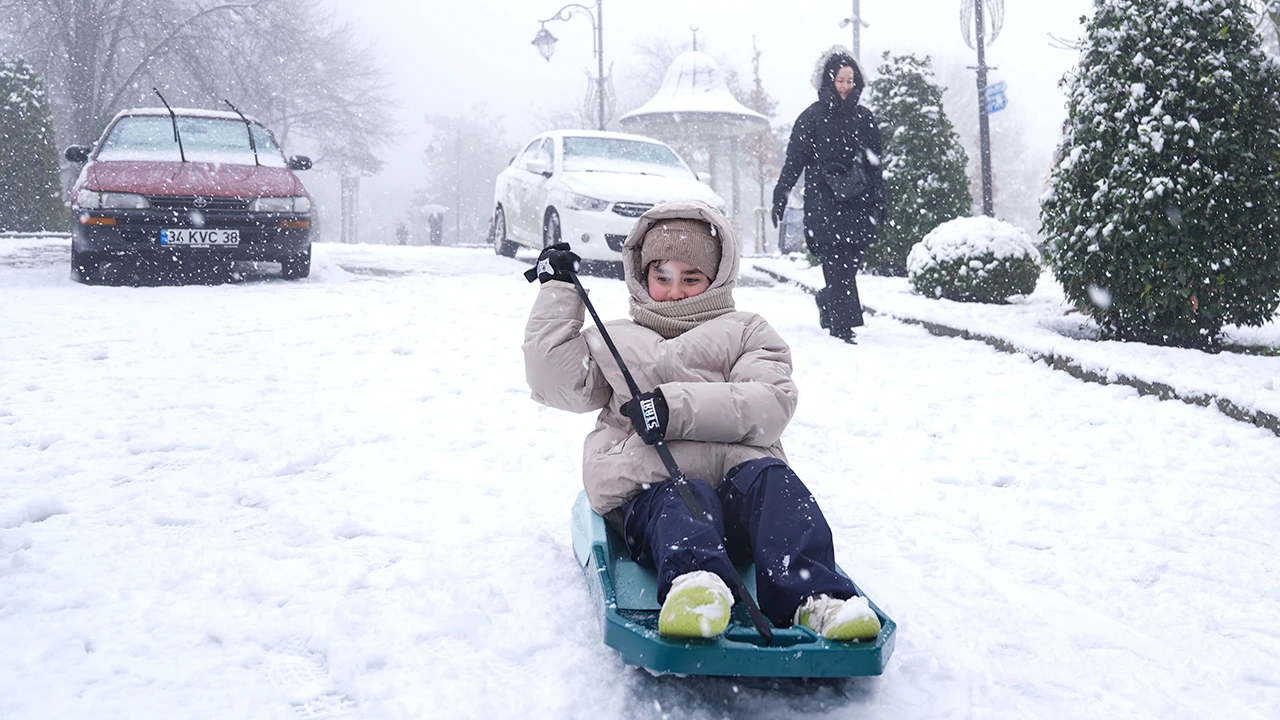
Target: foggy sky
{"x": 444, "y": 57}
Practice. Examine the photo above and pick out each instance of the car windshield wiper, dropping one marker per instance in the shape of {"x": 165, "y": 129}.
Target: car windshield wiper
{"x": 622, "y": 172}
{"x": 176, "y": 137}
{"x": 248, "y": 128}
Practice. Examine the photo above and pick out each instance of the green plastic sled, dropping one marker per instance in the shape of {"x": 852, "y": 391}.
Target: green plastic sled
{"x": 626, "y": 599}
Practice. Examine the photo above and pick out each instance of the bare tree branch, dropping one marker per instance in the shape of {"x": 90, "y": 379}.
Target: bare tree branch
{"x": 155, "y": 50}
{"x": 288, "y": 62}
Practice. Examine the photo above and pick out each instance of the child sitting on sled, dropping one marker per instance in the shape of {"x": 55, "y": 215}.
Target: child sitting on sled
{"x": 721, "y": 388}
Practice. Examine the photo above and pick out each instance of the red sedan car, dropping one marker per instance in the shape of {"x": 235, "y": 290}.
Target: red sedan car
{"x": 184, "y": 187}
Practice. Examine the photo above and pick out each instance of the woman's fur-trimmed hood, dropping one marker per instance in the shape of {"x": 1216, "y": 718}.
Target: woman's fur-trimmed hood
{"x": 822, "y": 82}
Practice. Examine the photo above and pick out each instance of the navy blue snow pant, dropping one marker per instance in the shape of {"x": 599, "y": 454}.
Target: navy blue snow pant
{"x": 761, "y": 512}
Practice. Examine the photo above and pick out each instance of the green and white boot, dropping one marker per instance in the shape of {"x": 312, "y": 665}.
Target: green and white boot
{"x": 836, "y": 619}
{"x": 696, "y": 606}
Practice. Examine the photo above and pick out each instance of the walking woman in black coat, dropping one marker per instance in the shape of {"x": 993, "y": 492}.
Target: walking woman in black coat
{"x": 836, "y": 142}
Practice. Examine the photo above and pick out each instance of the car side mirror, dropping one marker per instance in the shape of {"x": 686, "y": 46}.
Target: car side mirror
{"x": 540, "y": 167}
{"x": 77, "y": 154}
{"x": 299, "y": 162}
{"x": 704, "y": 177}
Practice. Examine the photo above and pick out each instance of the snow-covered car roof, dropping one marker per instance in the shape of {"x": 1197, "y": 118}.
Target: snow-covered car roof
{"x": 184, "y": 112}
{"x": 599, "y": 134}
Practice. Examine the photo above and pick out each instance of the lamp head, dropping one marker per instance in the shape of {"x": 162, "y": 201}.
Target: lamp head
{"x": 545, "y": 42}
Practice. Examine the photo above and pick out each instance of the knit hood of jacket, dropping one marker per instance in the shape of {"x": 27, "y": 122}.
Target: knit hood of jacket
{"x": 826, "y": 85}
{"x": 674, "y": 317}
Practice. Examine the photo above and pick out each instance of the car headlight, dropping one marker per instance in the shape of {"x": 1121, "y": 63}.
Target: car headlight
{"x": 298, "y": 204}
{"x": 583, "y": 202}
{"x": 91, "y": 200}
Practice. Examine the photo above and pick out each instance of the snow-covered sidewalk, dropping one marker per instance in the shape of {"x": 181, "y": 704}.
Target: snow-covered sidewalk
{"x": 1043, "y": 327}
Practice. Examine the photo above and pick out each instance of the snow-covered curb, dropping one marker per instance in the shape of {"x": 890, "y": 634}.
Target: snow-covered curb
{"x": 15, "y": 235}
{"x": 1243, "y": 387}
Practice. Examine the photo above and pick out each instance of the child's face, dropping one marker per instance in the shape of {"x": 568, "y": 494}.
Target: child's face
{"x": 675, "y": 280}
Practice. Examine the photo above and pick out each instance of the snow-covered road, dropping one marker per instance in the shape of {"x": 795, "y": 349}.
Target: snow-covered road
{"x": 334, "y": 498}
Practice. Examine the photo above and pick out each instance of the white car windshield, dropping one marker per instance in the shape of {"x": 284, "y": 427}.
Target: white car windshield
{"x": 603, "y": 154}
{"x": 215, "y": 140}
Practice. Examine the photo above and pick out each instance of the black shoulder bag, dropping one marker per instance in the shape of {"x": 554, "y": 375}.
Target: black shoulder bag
{"x": 848, "y": 181}
{"x": 847, "y": 177}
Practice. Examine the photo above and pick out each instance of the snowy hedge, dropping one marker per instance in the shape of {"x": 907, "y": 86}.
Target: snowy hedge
{"x": 974, "y": 259}
{"x": 30, "y": 188}
{"x": 1166, "y": 198}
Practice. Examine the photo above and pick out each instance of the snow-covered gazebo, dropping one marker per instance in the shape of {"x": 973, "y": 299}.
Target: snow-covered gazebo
{"x": 694, "y": 106}
{"x": 694, "y": 100}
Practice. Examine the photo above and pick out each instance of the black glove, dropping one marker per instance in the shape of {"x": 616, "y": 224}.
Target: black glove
{"x": 779, "y": 206}
{"x": 648, "y": 413}
{"x": 557, "y": 262}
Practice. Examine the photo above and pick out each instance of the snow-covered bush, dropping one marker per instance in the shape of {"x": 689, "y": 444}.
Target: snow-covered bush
{"x": 1166, "y": 197}
{"x": 974, "y": 259}
{"x": 30, "y": 190}
{"x": 924, "y": 163}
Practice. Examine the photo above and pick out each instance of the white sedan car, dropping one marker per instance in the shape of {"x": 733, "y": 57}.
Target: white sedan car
{"x": 587, "y": 188}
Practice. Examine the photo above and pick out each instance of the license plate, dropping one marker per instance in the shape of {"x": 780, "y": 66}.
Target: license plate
{"x": 199, "y": 238}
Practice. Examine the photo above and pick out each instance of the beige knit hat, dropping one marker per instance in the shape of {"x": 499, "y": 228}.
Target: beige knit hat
{"x": 689, "y": 241}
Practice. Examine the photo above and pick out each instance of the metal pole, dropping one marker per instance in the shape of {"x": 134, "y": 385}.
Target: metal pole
{"x": 600, "y": 62}
{"x": 457, "y": 186}
{"x": 984, "y": 128}
{"x": 735, "y": 185}
{"x": 857, "y": 30}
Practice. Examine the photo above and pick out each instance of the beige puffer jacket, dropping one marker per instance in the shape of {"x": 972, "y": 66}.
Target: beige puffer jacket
{"x": 727, "y": 381}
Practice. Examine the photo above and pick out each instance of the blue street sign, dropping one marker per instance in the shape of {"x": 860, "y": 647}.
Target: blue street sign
{"x": 996, "y": 100}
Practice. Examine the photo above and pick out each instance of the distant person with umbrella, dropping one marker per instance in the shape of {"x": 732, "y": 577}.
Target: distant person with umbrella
{"x": 435, "y": 222}
{"x": 836, "y": 143}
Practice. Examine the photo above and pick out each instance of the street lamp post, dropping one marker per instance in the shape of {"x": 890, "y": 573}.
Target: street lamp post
{"x": 975, "y": 10}
{"x": 457, "y": 182}
{"x": 984, "y": 126}
{"x": 858, "y": 23}
{"x": 546, "y": 44}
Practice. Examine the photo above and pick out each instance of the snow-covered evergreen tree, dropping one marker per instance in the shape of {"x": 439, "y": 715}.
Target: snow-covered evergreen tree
{"x": 1163, "y": 215}
{"x": 924, "y": 163}
{"x": 30, "y": 193}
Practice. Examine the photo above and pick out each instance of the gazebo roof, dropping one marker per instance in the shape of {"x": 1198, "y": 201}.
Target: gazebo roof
{"x": 694, "y": 99}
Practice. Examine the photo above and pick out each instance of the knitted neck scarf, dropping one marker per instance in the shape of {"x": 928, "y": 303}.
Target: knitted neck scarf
{"x": 674, "y": 317}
